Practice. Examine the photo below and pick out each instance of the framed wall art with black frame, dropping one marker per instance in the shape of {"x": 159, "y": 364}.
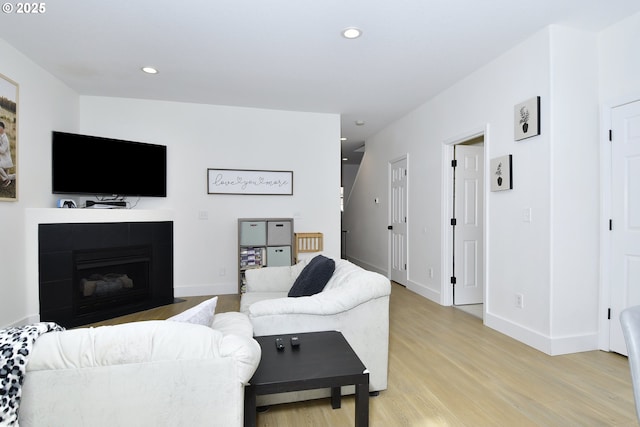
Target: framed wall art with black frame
{"x": 527, "y": 119}
{"x": 501, "y": 173}
{"x": 247, "y": 181}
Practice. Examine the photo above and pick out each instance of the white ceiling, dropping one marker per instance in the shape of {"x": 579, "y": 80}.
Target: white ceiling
{"x": 287, "y": 54}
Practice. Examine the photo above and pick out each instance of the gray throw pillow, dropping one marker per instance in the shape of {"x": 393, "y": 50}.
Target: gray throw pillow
{"x": 313, "y": 277}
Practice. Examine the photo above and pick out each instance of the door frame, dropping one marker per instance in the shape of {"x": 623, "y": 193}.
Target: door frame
{"x": 606, "y": 202}
{"x": 446, "y": 236}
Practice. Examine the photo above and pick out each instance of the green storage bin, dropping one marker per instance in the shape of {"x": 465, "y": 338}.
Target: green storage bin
{"x": 253, "y": 233}
{"x": 278, "y": 256}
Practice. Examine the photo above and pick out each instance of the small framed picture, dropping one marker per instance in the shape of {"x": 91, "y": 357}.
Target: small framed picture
{"x": 501, "y": 173}
{"x": 527, "y": 119}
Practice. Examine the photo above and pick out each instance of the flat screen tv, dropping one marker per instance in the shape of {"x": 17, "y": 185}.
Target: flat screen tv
{"x": 91, "y": 165}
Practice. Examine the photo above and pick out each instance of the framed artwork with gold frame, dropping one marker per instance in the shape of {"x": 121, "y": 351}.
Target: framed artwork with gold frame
{"x": 8, "y": 139}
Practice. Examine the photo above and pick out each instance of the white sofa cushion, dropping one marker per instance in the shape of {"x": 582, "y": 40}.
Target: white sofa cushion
{"x": 142, "y": 342}
{"x": 250, "y": 298}
{"x": 349, "y": 287}
{"x": 201, "y": 314}
{"x": 273, "y": 279}
{"x": 232, "y": 323}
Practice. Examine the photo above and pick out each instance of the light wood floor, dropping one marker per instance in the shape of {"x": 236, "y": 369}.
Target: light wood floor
{"x": 447, "y": 369}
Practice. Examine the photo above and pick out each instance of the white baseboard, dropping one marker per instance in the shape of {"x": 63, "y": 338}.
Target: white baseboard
{"x": 205, "y": 289}
{"x": 35, "y": 318}
{"x": 552, "y": 346}
{"x": 367, "y": 266}
{"x": 423, "y": 291}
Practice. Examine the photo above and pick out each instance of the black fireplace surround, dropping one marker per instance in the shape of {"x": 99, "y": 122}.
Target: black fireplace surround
{"x": 89, "y": 272}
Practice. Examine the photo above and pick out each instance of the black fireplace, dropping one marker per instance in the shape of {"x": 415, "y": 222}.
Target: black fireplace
{"x": 110, "y": 278}
{"x": 95, "y": 271}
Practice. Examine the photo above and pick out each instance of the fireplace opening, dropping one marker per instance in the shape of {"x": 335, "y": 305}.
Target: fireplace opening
{"x": 90, "y": 272}
{"x": 110, "y": 278}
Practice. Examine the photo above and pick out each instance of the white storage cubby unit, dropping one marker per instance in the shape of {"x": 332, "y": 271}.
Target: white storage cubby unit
{"x": 263, "y": 242}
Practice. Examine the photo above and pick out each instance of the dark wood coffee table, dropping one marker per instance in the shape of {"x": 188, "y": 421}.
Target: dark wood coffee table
{"x": 323, "y": 360}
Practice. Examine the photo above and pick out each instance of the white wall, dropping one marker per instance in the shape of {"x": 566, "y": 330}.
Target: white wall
{"x": 364, "y": 244}
{"x": 43, "y": 103}
{"x": 207, "y": 136}
{"x": 574, "y": 191}
{"x": 198, "y": 137}
{"x": 620, "y": 62}
{"x": 349, "y": 174}
{"x": 529, "y": 258}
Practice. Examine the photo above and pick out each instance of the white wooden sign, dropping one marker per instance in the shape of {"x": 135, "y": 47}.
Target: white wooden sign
{"x": 245, "y": 181}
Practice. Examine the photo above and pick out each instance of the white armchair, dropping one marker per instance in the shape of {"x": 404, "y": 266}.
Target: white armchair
{"x": 141, "y": 374}
{"x": 354, "y": 301}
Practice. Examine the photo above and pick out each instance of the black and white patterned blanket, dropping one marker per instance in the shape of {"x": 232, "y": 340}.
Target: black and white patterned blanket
{"x": 15, "y": 348}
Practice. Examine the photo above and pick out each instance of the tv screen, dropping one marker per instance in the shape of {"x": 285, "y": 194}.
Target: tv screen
{"x": 91, "y": 165}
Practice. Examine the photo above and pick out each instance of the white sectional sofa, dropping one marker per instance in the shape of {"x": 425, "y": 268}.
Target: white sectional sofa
{"x": 153, "y": 373}
{"x": 354, "y": 301}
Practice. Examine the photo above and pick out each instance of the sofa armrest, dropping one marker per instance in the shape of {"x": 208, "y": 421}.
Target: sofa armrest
{"x": 246, "y": 353}
{"x": 232, "y": 323}
{"x": 273, "y": 279}
{"x": 365, "y": 287}
{"x": 142, "y": 342}
{"x": 238, "y": 343}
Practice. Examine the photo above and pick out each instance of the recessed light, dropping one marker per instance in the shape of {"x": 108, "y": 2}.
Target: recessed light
{"x": 344, "y": 138}
{"x": 359, "y": 122}
{"x": 149, "y": 70}
{"x": 344, "y": 159}
{"x": 351, "y": 33}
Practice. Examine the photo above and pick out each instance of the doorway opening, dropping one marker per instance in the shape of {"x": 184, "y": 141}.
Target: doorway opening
{"x": 465, "y": 230}
{"x": 398, "y": 221}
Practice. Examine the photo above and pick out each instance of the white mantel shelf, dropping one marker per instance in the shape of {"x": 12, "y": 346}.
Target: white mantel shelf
{"x": 64, "y": 215}
{"x": 36, "y": 216}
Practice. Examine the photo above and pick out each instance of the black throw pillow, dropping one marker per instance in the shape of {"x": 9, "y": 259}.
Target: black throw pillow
{"x": 313, "y": 277}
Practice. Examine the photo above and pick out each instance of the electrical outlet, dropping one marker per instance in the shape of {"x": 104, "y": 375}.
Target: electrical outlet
{"x": 519, "y": 301}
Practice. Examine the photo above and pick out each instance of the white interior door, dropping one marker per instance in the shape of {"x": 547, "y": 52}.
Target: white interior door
{"x": 468, "y": 213}
{"x": 398, "y": 216}
{"x": 625, "y": 238}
